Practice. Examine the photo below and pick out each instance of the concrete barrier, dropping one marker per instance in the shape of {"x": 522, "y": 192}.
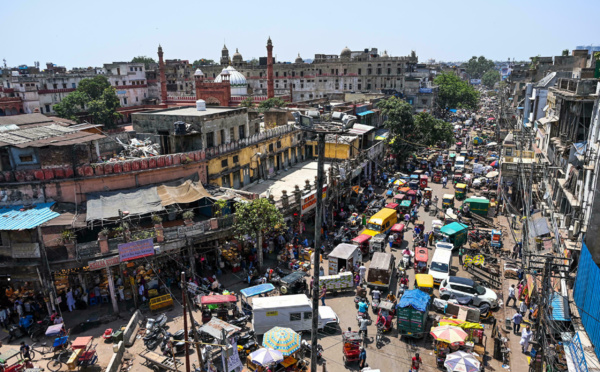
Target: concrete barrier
{"x": 132, "y": 328}
{"x": 115, "y": 362}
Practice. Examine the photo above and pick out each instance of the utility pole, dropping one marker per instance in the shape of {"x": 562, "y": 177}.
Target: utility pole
{"x": 185, "y": 325}
{"x": 224, "y": 350}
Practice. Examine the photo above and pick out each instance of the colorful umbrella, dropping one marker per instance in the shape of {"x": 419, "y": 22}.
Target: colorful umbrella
{"x": 461, "y": 362}
{"x": 283, "y": 339}
{"x": 399, "y": 182}
{"x": 494, "y": 163}
{"x": 267, "y": 356}
{"x": 449, "y": 334}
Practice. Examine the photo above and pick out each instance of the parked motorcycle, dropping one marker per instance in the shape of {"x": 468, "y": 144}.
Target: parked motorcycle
{"x": 155, "y": 323}
{"x": 307, "y": 349}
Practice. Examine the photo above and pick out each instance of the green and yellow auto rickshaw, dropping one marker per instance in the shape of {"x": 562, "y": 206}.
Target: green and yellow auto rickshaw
{"x": 460, "y": 191}
{"x": 448, "y": 201}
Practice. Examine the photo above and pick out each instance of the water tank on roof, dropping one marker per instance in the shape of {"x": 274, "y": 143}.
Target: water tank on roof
{"x": 201, "y": 105}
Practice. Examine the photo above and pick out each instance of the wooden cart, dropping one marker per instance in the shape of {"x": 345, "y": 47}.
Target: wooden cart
{"x": 154, "y": 360}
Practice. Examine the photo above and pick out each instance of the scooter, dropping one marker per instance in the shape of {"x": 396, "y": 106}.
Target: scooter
{"x": 375, "y": 305}
{"x": 307, "y": 349}
{"x": 154, "y": 323}
{"x": 240, "y": 322}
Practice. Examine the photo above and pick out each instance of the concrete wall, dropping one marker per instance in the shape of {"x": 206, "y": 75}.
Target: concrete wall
{"x": 132, "y": 328}
{"x": 115, "y": 362}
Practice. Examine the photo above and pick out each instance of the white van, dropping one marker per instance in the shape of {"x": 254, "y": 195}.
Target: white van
{"x": 440, "y": 265}
{"x": 293, "y": 311}
{"x": 459, "y": 164}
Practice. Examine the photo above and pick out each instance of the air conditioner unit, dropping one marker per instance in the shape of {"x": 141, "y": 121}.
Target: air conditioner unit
{"x": 576, "y": 227}
{"x": 571, "y": 235}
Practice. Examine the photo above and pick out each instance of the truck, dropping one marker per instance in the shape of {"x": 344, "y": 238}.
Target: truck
{"x": 337, "y": 283}
{"x": 411, "y": 312}
{"x": 381, "y": 270}
{"x": 293, "y": 311}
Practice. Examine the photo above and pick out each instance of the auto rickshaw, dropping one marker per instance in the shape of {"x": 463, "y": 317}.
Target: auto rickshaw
{"x": 424, "y": 282}
{"x": 496, "y": 241}
{"x": 427, "y": 193}
{"x": 437, "y": 176}
{"x": 398, "y": 231}
{"x": 392, "y": 206}
{"x": 423, "y": 180}
{"x": 460, "y": 191}
{"x": 452, "y": 158}
{"x": 362, "y": 241}
{"x": 399, "y": 198}
{"x": 412, "y": 196}
{"x": 436, "y": 226}
{"x": 403, "y": 190}
{"x": 458, "y": 176}
{"x": 405, "y": 207}
{"x": 421, "y": 258}
{"x": 413, "y": 184}
{"x": 448, "y": 201}
{"x": 414, "y": 177}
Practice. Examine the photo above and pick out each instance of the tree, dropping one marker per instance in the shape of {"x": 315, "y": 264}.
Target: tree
{"x": 400, "y": 122}
{"x": 490, "y": 78}
{"x": 257, "y": 218}
{"x": 143, "y": 59}
{"x": 94, "y": 95}
{"x": 454, "y": 93}
{"x": 253, "y": 62}
{"x": 270, "y": 103}
{"x": 476, "y": 67}
{"x": 203, "y": 62}
{"x": 247, "y": 102}
{"x": 565, "y": 52}
{"x": 429, "y": 131}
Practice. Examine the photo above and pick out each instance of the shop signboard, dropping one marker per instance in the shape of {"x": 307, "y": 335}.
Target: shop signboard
{"x": 309, "y": 202}
{"x": 25, "y": 250}
{"x": 103, "y": 263}
{"x": 475, "y": 81}
{"x": 138, "y": 249}
{"x": 426, "y": 90}
{"x": 192, "y": 230}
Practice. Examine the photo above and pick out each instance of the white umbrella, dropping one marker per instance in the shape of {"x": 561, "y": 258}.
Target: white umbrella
{"x": 461, "y": 362}
{"x": 492, "y": 174}
{"x": 265, "y": 356}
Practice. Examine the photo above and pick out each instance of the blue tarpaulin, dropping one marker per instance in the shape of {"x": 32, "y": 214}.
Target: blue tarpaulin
{"x": 20, "y": 217}
{"x": 365, "y": 113}
{"x": 257, "y": 290}
{"x": 560, "y": 307}
{"x": 453, "y": 110}
{"x": 415, "y": 298}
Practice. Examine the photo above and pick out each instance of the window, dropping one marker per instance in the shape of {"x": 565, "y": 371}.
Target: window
{"x": 257, "y": 128}
{"x": 222, "y": 136}
{"x": 332, "y": 71}
{"x": 278, "y": 144}
{"x": 285, "y": 73}
{"x": 294, "y": 317}
{"x": 271, "y": 147}
{"x": 307, "y": 315}
{"x": 231, "y": 134}
{"x": 236, "y": 159}
{"x": 276, "y": 85}
{"x": 276, "y": 73}
{"x": 73, "y": 85}
{"x": 424, "y": 100}
{"x": 55, "y": 86}
{"x": 47, "y": 108}
{"x": 26, "y": 158}
{"x": 369, "y": 71}
{"x": 116, "y": 82}
{"x": 378, "y": 71}
{"x": 224, "y": 163}
{"x": 301, "y": 73}
{"x": 359, "y": 86}
{"x": 130, "y": 68}
{"x": 389, "y": 70}
{"x": 225, "y": 181}
{"x": 210, "y": 139}
{"x": 242, "y": 131}
{"x": 124, "y": 100}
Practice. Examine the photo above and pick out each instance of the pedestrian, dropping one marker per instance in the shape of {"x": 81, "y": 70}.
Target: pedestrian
{"x": 525, "y": 339}
{"x": 523, "y": 308}
{"x": 25, "y": 350}
{"x": 362, "y": 358}
{"x": 3, "y": 317}
{"x": 431, "y": 238}
{"x": 426, "y": 239}
{"x": 70, "y": 300}
{"x": 511, "y": 296}
{"x": 363, "y": 271}
{"x": 356, "y": 279}
{"x": 321, "y": 271}
{"x": 322, "y": 295}
{"x": 416, "y": 363}
{"x": 444, "y": 182}
{"x": 517, "y": 319}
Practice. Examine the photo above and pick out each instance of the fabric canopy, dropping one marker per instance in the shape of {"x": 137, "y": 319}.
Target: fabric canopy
{"x": 187, "y": 192}
{"x": 539, "y": 227}
{"x": 106, "y": 205}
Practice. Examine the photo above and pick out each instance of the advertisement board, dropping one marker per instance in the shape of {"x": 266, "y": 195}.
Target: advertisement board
{"x": 425, "y": 90}
{"x": 138, "y": 249}
{"x": 309, "y": 202}
{"x": 475, "y": 81}
{"x": 105, "y": 262}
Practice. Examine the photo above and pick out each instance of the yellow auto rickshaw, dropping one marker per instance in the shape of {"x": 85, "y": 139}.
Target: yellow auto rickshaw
{"x": 448, "y": 201}
{"x": 460, "y": 190}
{"x": 424, "y": 282}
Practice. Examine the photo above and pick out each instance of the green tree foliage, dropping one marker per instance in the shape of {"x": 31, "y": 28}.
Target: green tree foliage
{"x": 94, "y": 95}
{"x": 476, "y": 67}
{"x": 247, "y": 102}
{"x": 203, "y": 62}
{"x": 271, "y": 103}
{"x": 254, "y": 62}
{"x": 143, "y": 59}
{"x": 257, "y": 219}
{"x": 454, "y": 93}
{"x": 565, "y": 52}
{"x": 409, "y": 132}
{"x": 490, "y": 78}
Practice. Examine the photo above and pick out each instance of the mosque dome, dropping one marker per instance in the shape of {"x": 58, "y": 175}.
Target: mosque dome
{"x": 385, "y": 55}
{"x": 237, "y": 57}
{"x": 237, "y": 81}
{"x": 198, "y": 72}
{"x": 299, "y": 59}
{"x": 346, "y": 53}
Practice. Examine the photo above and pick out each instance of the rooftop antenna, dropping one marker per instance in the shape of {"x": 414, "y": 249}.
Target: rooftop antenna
{"x": 4, "y": 60}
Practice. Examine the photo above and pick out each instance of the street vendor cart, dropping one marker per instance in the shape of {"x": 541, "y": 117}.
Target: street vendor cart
{"x": 351, "y": 346}
{"x": 154, "y": 360}
{"x": 217, "y": 304}
{"x": 248, "y": 293}
{"x": 344, "y": 255}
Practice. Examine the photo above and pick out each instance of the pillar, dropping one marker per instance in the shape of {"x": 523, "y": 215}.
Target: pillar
{"x": 111, "y": 288}
{"x": 163, "y": 81}
{"x": 270, "y": 78}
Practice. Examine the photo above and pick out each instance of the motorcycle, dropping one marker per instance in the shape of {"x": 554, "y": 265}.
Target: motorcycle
{"x": 307, "y": 349}
{"x": 173, "y": 344}
{"x": 155, "y": 323}
{"x": 375, "y": 305}
{"x": 240, "y": 322}
{"x": 358, "y": 299}
{"x": 245, "y": 338}
{"x": 152, "y": 340}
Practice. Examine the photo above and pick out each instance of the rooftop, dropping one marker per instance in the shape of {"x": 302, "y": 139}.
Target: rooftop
{"x": 40, "y": 136}
{"x": 296, "y": 175}
{"x": 191, "y": 111}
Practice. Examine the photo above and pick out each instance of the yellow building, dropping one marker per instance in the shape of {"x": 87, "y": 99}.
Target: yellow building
{"x": 259, "y": 157}
{"x": 337, "y": 147}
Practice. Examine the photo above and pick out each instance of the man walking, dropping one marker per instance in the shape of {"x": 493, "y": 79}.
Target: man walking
{"x": 362, "y": 358}
{"x": 444, "y": 181}
{"x": 517, "y": 319}
{"x": 511, "y": 296}
{"x": 322, "y": 295}
{"x": 363, "y": 271}
{"x": 416, "y": 363}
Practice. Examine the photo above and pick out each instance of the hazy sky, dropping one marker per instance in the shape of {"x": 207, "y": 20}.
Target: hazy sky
{"x": 89, "y": 33}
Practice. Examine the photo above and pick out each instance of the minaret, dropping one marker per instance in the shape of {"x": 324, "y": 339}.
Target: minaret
{"x": 270, "y": 88}
{"x": 163, "y": 80}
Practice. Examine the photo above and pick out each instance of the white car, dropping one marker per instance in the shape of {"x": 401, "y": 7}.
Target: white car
{"x": 464, "y": 287}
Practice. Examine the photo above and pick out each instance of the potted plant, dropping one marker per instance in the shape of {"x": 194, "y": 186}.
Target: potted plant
{"x": 103, "y": 240}
{"x": 158, "y": 227}
{"x": 187, "y": 217}
{"x": 219, "y": 206}
{"x": 67, "y": 238}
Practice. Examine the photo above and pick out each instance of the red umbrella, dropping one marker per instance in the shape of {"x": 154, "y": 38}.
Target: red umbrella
{"x": 494, "y": 163}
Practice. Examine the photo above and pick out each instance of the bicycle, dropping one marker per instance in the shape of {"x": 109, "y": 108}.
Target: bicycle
{"x": 56, "y": 362}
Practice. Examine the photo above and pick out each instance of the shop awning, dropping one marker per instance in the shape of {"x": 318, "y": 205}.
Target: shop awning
{"x": 21, "y": 217}
{"x": 365, "y": 113}
{"x": 215, "y": 326}
{"x": 187, "y": 192}
{"x": 217, "y": 299}
{"x": 106, "y": 205}
{"x": 382, "y": 134}
{"x": 538, "y": 227}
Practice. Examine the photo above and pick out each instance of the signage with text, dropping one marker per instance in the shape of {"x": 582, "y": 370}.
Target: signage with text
{"x": 137, "y": 249}
{"x": 309, "y": 202}
{"x": 103, "y": 263}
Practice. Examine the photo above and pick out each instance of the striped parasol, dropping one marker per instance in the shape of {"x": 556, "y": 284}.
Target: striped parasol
{"x": 283, "y": 339}
{"x": 449, "y": 334}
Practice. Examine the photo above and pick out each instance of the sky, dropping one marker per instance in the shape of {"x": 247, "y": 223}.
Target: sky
{"x": 85, "y": 33}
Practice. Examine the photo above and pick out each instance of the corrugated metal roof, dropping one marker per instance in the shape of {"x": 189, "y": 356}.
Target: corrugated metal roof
{"x": 18, "y": 217}
{"x": 560, "y": 307}
{"x": 50, "y": 135}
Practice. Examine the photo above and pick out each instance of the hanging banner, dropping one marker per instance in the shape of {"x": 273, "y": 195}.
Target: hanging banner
{"x": 138, "y": 249}
{"x": 103, "y": 263}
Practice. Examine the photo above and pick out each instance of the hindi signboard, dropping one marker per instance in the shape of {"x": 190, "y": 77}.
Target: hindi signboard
{"x": 103, "y": 263}
{"x": 138, "y": 249}
{"x": 309, "y": 202}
